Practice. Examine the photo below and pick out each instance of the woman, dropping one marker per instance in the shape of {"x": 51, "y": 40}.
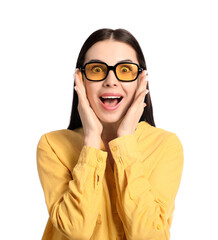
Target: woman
{"x": 112, "y": 174}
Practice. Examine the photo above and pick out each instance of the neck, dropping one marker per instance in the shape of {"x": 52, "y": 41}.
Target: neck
{"x": 109, "y": 131}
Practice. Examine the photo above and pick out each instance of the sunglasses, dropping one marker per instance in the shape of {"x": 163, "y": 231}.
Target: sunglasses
{"x": 124, "y": 71}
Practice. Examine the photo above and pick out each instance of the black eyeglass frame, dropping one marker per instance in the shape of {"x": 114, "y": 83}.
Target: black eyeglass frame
{"x": 140, "y": 69}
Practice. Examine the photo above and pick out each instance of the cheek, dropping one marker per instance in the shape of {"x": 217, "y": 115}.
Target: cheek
{"x": 131, "y": 89}
{"x": 91, "y": 91}
{"x": 136, "y": 86}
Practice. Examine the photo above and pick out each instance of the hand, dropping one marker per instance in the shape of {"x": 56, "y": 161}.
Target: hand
{"x": 130, "y": 120}
{"x": 91, "y": 125}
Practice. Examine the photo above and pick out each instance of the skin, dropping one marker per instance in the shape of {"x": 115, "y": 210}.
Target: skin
{"x": 98, "y": 123}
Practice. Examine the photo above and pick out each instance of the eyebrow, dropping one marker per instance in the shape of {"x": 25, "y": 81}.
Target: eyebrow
{"x": 125, "y": 60}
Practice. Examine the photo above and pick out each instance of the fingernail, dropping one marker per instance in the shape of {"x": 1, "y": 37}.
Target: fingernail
{"x": 147, "y": 91}
{"x": 75, "y": 88}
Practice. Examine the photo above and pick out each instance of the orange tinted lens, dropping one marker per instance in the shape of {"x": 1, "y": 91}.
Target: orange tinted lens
{"x": 96, "y": 71}
{"x": 127, "y": 71}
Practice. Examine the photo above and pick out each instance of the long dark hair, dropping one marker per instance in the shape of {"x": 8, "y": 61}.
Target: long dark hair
{"x": 120, "y": 35}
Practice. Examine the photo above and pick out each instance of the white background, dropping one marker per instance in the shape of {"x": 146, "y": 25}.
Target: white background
{"x": 39, "y": 45}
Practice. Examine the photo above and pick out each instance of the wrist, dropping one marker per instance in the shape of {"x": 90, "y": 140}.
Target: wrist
{"x": 93, "y": 142}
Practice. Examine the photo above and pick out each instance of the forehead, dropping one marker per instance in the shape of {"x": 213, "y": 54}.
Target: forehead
{"x": 111, "y": 52}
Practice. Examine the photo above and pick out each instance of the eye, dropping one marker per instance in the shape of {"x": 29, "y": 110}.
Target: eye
{"x": 97, "y": 69}
{"x": 126, "y": 69}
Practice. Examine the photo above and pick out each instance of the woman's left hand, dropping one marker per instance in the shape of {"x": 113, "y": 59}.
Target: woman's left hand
{"x": 131, "y": 119}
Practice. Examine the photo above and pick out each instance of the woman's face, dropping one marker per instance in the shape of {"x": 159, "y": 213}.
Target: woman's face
{"x": 110, "y": 110}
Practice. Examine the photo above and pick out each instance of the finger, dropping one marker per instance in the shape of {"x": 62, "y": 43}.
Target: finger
{"x": 78, "y": 77}
{"x": 142, "y": 84}
{"x": 143, "y": 81}
{"x": 138, "y": 104}
{"x": 76, "y": 80}
{"x": 80, "y": 99}
{"x": 79, "y": 74}
{"x": 140, "y": 98}
{"x": 81, "y": 95}
{"x": 79, "y": 82}
{"x": 146, "y": 74}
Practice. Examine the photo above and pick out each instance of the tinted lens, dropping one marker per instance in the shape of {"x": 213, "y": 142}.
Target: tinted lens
{"x": 127, "y": 71}
{"x": 95, "y": 71}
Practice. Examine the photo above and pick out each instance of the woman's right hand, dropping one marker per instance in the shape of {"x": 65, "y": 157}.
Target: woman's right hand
{"x": 91, "y": 125}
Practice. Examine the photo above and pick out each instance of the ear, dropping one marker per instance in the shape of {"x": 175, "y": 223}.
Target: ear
{"x": 80, "y": 74}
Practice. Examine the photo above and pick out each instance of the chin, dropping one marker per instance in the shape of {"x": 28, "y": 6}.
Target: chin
{"x": 110, "y": 121}
{"x": 111, "y": 118}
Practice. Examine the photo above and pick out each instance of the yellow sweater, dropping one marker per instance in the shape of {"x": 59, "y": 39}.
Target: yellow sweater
{"x": 87, "y": 200}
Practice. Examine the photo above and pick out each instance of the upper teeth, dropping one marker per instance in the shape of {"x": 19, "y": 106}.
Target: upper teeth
{"x": 111, "y": 96}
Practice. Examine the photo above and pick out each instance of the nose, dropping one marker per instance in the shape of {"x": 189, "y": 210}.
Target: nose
{"x": 111, "y": 79}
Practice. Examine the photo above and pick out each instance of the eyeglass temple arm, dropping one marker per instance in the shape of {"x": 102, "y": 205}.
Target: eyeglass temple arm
{"x": 141, "y": 69}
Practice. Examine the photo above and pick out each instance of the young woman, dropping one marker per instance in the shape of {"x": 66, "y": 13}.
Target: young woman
{"x": 112, "y": 174}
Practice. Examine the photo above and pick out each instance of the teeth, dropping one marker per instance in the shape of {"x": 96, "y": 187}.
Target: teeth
{"x": 111, "y": 97}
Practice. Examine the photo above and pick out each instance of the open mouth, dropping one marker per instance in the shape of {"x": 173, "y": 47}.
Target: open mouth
{"x": 111, "y": 101}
